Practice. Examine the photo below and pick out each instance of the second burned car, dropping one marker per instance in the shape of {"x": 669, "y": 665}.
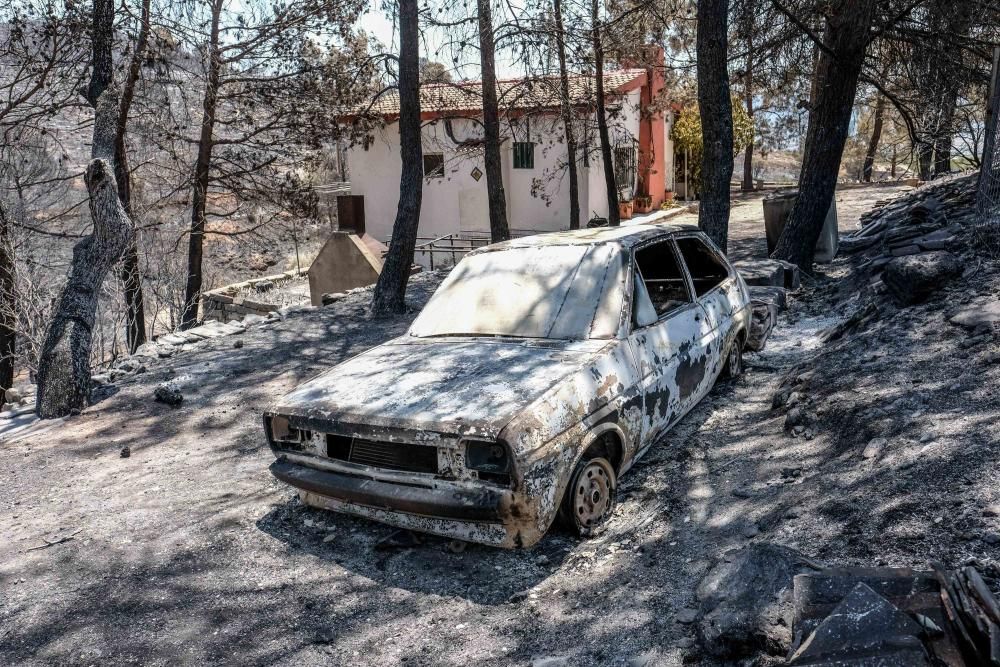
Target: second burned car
{"x": 535, "y": 376}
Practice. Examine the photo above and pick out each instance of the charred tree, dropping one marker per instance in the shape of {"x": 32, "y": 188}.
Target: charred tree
{"x": 848, "y": 23}
{"x": 8, "y": 307}
{"x": 602, "y": 118}
{"x": 135, "y": 310}
{"x": 202, "y": 168}
{"x": 716, "y": 109}
{"x": 390, "y": 290}
{"x": 877, "y": 122}
{"x": 748, "y": 16}
{"x": 64, "y": 362}
{"x": 566, "y": 108}
{"x": 491, "y": 126}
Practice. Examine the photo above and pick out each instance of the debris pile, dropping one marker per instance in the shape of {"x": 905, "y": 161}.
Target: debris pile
{"x": 927, "y": 219}
{"x": 894, "y": 616}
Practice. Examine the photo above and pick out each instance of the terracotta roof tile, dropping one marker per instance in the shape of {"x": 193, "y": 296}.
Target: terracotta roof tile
{"x": 513, "y": 94}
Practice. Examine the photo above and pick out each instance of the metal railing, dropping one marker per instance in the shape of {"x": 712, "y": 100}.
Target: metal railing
{"x": 454, "y": 246}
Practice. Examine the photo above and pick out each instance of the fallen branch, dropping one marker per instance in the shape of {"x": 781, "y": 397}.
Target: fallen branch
{"x": 65, "y": 538}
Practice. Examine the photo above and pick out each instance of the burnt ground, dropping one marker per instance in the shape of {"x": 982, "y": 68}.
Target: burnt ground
{"x": 187, "y": 551}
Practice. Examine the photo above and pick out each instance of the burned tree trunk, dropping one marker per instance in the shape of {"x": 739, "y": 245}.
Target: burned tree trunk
{"x": 848, "y": 26}
{"x": 748, "y": 16}
{"x": 390, "y": 290}
{"x": 866, "y": 170}
{"x": 567, "y": 118}
{"x": 64, "y": 362}
{"x": 135, "y": 310}
{"x": 491, "y": 126}
{"x": 8, "y": 307}
{"x": 203, "y": 164}
{"x": 716, "y": 108}
{"x": 602, "y": 118}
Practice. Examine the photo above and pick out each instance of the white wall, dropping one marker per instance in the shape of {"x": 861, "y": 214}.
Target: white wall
{"x": 537, "y": 199}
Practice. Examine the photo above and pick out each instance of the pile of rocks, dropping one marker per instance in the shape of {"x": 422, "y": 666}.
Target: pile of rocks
{"x": 908, "y": 241}
{"x": 927, "y": 219}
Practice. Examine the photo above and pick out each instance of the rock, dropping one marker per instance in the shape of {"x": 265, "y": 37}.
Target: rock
{"x": 125, "y": 452}
{"x": 874, "y": 448}
{"x": 551, "y": 661}
{"x": 687, "y": 616}
{"x": 168, "y": 393}
{"x": 863, "y": 620}
{"x": 747, "y": 600}
{"x": 978, "y": 315}
{"x": 905, "y": 250}
{"x": 914, "y": 278}
{"x": 12, "y": 395}
{"x": 769, "y": 273}
{"x": 237, "y": 344}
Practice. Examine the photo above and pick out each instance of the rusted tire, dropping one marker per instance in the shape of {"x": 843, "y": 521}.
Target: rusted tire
{"x": 591, "y": 497}
{"x": 734, "y": 360}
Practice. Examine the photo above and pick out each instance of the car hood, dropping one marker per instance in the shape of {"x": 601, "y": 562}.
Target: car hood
{"x": 459, "y": 386}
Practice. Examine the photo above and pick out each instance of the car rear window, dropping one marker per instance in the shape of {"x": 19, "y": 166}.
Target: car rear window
{"x": 570, "y": 292}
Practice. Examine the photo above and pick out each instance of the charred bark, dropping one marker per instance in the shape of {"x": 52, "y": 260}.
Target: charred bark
{"x": 716, "y": 109}
{"x": 748, "y": 184}
{"x": 602, "y": 118}
{"x": 64, "y": 362}
{"x": 390, "y": 290}
{"x": 203, "y": 164}
{"x": 848, "y": 26}
{"x": 877, "y": 122}
{"x": 8, "y": 307}
{"x": 135, "y": 311}
{"x": 566, "y": 108}
{"x": 491, "y": 126}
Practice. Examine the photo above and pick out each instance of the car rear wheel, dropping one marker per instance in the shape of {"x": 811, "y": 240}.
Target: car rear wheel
{"x": 734, "y": 360}
{"x": 591, "y": 496}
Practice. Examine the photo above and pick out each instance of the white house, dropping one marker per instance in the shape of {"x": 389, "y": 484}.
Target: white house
{"x": 533, "y": 149}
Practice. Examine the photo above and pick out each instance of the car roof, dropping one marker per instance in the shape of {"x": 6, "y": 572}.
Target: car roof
{"x": 625, "y": 236}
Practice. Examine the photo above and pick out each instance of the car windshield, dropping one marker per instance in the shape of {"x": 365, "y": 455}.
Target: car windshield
{"x": 567, "y": 292}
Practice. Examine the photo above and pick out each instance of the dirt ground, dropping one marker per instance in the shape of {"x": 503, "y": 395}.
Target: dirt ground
{"x": 187, "y": 551}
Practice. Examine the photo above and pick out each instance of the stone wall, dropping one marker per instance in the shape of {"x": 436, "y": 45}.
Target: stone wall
{"x": 236, "y": 301}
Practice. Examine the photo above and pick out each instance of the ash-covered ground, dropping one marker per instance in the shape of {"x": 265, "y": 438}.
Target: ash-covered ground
{"x": 187, "y": 551}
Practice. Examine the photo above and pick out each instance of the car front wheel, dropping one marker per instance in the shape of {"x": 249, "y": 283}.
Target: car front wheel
{"x": 591, "y": 496}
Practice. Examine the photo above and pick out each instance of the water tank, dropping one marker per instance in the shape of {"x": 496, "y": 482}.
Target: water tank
{"x": 777, "y": 208}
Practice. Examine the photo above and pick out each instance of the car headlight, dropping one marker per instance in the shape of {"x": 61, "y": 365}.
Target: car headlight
{"x": 281, "y": 431}
{"x": 488, "y": 457}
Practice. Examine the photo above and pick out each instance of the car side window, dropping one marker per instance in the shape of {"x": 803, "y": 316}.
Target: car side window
{"x": 662, "y": 277}
{"x": 706, "y": 269}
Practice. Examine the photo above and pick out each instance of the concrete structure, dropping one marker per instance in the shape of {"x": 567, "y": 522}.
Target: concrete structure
{"x": 259, "y": 296}
{"x": 533, "y": 154}
{"x": 345, "y": 262}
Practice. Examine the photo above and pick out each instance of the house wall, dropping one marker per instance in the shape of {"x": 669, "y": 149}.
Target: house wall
{"x": 537, "y": 199}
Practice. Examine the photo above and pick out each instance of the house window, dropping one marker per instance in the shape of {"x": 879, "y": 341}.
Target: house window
{"x": 625, "y": 167}
{"x": 524, "y": 155}
{"x": 433, "y": 165}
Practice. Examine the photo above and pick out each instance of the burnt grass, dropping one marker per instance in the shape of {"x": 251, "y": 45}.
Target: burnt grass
{"x": 189, "y": 552}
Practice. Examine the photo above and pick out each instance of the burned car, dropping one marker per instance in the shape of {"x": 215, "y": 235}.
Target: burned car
{"x": 535, "y": 376}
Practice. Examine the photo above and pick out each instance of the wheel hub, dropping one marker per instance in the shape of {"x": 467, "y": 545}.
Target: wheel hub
{"x": 593, "y": 495}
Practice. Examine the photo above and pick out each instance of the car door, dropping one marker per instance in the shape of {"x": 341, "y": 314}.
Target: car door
{"x": 667, "y": 324}
{"x": 717, "y": 291}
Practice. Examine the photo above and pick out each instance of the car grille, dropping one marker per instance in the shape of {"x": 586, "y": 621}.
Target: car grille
{"x": 390, "y": 455}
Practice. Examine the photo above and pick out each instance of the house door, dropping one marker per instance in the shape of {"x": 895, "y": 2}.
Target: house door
{"x": 473, "y": 210}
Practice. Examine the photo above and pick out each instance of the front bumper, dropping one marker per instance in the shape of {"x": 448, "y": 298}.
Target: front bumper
{"x": 460, "y": 510}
